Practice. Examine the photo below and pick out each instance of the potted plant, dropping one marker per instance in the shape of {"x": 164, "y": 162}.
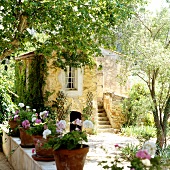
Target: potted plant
{"x": 39, "y": 132}
{"x": 69, "y": 148}
{"x": 25, "y": 117}
{"x": 13, "y": 122}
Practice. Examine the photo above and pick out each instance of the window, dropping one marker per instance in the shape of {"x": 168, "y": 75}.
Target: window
{"x": 71, "y": 78}
{"x": 72, "y": 81}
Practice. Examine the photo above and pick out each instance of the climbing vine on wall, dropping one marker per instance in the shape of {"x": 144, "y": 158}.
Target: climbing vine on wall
{"x": 30, "y": 80}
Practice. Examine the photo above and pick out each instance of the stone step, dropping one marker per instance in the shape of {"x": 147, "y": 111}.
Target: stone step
{"x": 102, "y": 114}
{"x": 103, "y": 118}
{"x": 104, "y": 126}
{"x": 100, "y": 106}
{"x": 110, "y": 130}
{"x": 101, "y": 110}
{"x": 103, "y": 123}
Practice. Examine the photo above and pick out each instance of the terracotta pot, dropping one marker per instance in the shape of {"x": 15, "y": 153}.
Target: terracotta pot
{"x": 26, "y": 139}
{"x": 39, "y": 142}
{"x": 13, "y": 124}
{"x": 71, "y": 159}
{"x": 36, "y": 138}
{"x": 14, "y": 131}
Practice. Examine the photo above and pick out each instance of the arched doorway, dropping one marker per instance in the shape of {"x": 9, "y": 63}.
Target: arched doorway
{"x": 73, "y": 116}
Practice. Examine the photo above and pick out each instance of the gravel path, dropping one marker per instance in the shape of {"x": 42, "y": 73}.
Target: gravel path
{"x": 102, "y": 147}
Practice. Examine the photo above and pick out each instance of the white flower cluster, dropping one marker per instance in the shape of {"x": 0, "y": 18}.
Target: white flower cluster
{"x": 43, "y": 114}
{"x": 146, "y": 162}
{"x": 21, "y": 105}
{"x": 34, "y": 117}
{"x": 46, "y": 133}
{"x": 150, "y": 147}
{"x": 88, "y": 124}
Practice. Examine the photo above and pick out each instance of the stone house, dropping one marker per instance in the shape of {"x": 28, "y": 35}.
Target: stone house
{"x": 97, "y": 90}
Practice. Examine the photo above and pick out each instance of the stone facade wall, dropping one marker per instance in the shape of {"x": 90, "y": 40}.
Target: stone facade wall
{"x": 112, "y": 105}
{"x": 110, "y": 70}
{"x": 77, "y": 102}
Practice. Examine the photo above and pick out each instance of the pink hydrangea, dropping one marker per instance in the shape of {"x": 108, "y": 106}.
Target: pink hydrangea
{"x": 143, "y": 154}
{"x": 26, "y": 124}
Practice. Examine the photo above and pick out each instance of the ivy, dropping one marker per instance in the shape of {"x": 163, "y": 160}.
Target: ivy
{"x": 30, "y": 81}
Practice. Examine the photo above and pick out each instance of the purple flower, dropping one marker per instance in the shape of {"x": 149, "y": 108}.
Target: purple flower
{"x": 59, "y": 131}
{"x": 16, "y": 112}
{"x": 77, "y": 122}
{"x": 61, "y": 125}
{"x": 16, "y": 117}
{"x": 143, "y": 154}
{"x": 26, "y": 124}
{"x": 38, "y": 121}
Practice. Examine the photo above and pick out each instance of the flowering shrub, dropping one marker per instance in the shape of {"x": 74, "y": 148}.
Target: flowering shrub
{"x": 143, "y": 158}
{"x": 69, "y": 140}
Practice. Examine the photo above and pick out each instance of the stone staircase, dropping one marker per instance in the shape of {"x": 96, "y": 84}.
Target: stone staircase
{"x": 103, "y": 121}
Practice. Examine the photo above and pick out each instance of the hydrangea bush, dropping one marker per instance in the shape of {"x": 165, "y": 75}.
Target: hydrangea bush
{"x": 139, "y": 158}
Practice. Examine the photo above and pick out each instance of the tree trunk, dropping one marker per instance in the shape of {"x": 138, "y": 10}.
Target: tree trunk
{"x": 166, "y": 117}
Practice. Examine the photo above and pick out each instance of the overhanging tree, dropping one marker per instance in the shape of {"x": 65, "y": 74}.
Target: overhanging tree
{"x": 75, "y": 28}
{"x": 145, "y": 44}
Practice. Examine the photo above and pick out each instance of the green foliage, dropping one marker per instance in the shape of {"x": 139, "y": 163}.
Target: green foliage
{"x": 137, "y": 106}
{"x": 20, "y": 81}
{"x": 140, "y": 132}
{"x": 7, "y": 90}
{"x": 25, "y": 115}
{"x": 61, "y": 25}
{"x": 128, "y": 152}
{"x": 146, "y": 55}
{"x": 29, "y": 88}
{"x": 36, "y": 129}
{"x": 70, "y": 140}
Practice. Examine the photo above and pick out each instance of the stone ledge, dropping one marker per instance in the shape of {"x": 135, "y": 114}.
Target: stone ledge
{"x": 21, "y": 158}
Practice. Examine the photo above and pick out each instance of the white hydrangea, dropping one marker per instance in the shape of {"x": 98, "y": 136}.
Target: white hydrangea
{"x": 21, "y": 105}
{"x": 88, "y": 124}
{"x": 146, "y": 162}
{"x": 150, "y": 147}
{"x": 46, "y": 133}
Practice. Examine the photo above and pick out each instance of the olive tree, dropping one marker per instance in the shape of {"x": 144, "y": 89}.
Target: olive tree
{"x": 145, "y": 45}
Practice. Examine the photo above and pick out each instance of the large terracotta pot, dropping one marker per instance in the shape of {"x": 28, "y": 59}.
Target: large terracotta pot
{"x": 26, "y": 139}
{"x": 42, "y": 154}
{"x": 71, "y": 159}
{"x": 13, "y": 129}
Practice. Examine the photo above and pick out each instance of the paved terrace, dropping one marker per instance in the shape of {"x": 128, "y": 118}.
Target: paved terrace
{"x": 101, "y": 146}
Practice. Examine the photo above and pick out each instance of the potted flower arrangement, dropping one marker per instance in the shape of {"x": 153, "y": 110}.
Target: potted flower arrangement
{"x": 69, "y": 145}
{"x": 25, "y": 117}
{"x": 13, "y": 122}
{"x": 39, "y": 132}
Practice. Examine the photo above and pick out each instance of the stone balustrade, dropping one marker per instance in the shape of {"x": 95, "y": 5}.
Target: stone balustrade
{"x": 112, "y": 106}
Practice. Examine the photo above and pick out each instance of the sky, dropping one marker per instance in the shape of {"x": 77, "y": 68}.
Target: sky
{"x": 156, "y": 5}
